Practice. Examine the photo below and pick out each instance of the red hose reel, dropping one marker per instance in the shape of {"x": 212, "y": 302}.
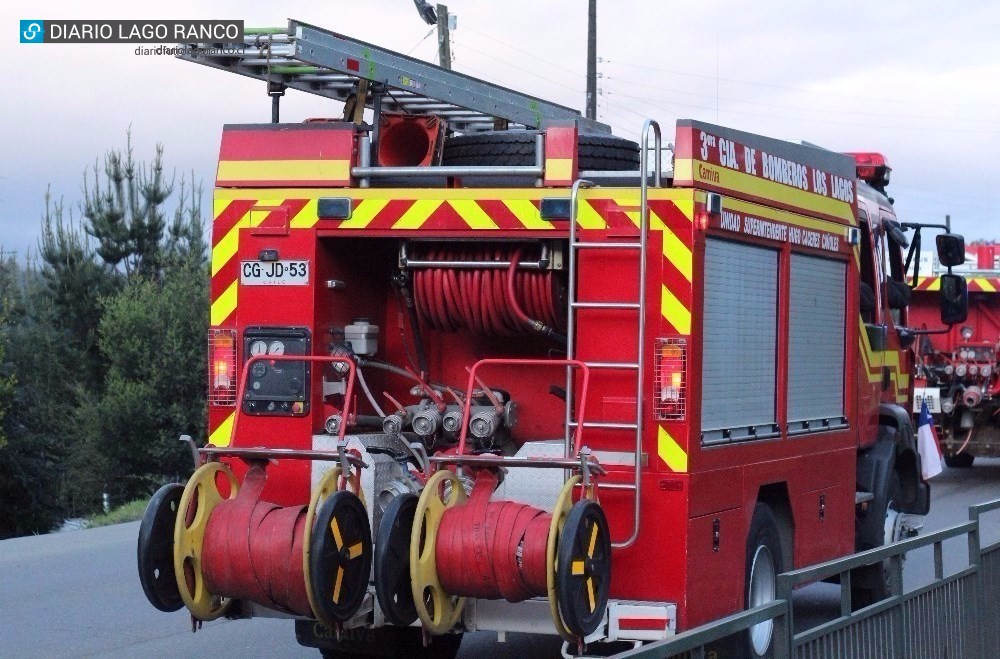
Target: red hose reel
{"x": 487, "y": 301}
{"x": 310, "y": 560}
{"x": 463, "y": 546}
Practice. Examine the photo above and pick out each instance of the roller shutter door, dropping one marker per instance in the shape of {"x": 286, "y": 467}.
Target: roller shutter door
{"x": 816, "y": 343}
{"x": 740, "y": 341}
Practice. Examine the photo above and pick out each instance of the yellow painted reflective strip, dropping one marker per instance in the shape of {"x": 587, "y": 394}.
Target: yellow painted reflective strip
{"x": 527, "y": 213}
{"x": 671, "y": 452}
{"x": 733, "y": 180}
{"x": 677, "y": 253}
{"x": 364, "y": 213}
{"x": 355, "y": 551}
{"x": 686, "y": 206}
{"x": 307, "y": 217}
{"x": 590, "y": 594}
{"x": 587, "y": 217}
{"x": 558, "y": 169}
{"x": 284, "y": 170}
{"x": 593, "y": 542}
{"x": 221, "y": 435}
{"x": 224, "y": 305}
{"x": 676, "y": 313}
{"x": 226, "y": 248}
{"x": 787, "y": 217}
{"x": 577, "y": 568}
{"x": 985, "y": 285}
{"x": 935, "y": 285}
{"x": 417, "y": 214}
{"x": 473, "y": 214}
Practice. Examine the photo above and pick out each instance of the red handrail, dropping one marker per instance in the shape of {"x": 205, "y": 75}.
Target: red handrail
{"x": 296, "y": 358}
{"x": 574, "y": 363}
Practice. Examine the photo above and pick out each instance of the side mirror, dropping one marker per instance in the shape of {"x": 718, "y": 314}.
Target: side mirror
{"x": 951, "y": 250}
{"x": 954, "y": 297}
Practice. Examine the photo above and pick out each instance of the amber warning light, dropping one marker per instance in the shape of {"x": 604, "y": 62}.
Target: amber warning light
{"x": 670, "y": 390}
{"x": 222, "y": 367}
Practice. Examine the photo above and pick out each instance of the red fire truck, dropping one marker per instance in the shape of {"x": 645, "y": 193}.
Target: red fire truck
{"x": 477, "y": 364}
{"x": 957, "y": 372}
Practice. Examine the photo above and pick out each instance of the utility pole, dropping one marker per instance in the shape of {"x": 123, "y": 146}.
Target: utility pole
{"x": 444, "y": 37}
{"x": 591, "y": 60}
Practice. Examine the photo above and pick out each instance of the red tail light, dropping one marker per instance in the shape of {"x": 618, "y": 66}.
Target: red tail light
{"x": 222, "y": 367}
{"x": 670, "y": 380}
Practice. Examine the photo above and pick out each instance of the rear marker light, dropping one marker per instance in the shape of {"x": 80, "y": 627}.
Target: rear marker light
{"x": 222, "y": 367}
{"x": 670, "y": 379}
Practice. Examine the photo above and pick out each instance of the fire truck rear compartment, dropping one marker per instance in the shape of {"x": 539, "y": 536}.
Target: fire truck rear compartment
{"x": 464, "y": 315}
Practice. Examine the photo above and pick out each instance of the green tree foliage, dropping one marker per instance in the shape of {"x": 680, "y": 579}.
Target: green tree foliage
{"x": 154, "y": 338}
{"x": 35, "y": 394}
{"x": 106, "y": 337}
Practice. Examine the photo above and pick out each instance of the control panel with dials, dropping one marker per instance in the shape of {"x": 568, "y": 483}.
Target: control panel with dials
{"x": 276, "y": 387}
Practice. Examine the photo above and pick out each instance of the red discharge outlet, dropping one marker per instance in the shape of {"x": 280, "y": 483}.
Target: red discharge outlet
{"x": 477, "y": 299}
{"x": 492, "y": 549}
{"x": 253, "y": 549}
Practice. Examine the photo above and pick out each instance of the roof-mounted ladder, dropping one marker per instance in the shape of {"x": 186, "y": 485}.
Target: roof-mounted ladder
{"x": 317, "y": 61}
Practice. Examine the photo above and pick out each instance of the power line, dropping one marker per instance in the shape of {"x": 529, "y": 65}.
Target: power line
{"x": 520, "y": 50}
{"x": 794, "y": 107}
{"x": 866, "y": 99}
{"x": 938, "y": 128}
{"x": 519, "y": 68}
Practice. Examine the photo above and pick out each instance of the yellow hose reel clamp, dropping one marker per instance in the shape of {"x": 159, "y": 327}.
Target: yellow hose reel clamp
{"x": 438, "y": 611}
{"x": 201, "y": 496}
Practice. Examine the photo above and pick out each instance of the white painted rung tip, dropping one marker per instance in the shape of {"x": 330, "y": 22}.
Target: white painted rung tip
{"x": 604, "y": 305}
{"x": 593, "y": 245}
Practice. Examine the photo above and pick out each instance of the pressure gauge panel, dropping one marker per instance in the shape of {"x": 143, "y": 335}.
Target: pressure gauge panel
{"x": 276, "y": 387}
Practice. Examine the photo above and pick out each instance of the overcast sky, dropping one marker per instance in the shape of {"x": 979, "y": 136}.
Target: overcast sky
{"x": 918, "y": 81}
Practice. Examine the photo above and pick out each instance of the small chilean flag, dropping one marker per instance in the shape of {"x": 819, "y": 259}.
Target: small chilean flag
{"x": 927, "y": 445}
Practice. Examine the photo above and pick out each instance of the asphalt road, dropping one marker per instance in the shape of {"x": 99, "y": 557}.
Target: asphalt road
{"x": 76, "y": 594}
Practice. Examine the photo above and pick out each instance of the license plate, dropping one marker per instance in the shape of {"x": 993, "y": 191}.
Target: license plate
{"x": 930, "y": 395}
{"x": 274, "y": 273}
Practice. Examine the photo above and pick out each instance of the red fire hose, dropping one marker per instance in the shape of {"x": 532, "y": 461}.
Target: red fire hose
{"x": 490, "y": 302}
{"x": 492, "y": 549}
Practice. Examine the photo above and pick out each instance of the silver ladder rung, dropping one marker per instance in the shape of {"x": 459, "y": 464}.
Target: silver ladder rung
{"x": 606, "y": 425}
{"x": 594, "y": 245}
{"x": 605, "y": 305}
{"x": 617, "y": 486}
{"x": 631, "y": 366}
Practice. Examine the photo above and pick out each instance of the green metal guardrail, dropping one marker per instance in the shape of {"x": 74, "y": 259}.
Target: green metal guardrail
{"x": 952, "y": 616}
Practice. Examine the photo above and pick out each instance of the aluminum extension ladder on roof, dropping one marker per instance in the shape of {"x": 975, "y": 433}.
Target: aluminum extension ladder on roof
{"x": 638, "y": 307}
{"x": 322, "y": 62}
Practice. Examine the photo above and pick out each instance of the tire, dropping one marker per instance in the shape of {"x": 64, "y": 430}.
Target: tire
{"x": 517, "y": 148}
{"x": 764, "y": 562}
{"x": 401, "y": 642}
{"x": 871, "y": 584}
{"x": 959, "y": 460}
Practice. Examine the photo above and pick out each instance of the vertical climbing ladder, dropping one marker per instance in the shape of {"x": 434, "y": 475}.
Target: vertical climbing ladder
{"x": 638, "y": 307}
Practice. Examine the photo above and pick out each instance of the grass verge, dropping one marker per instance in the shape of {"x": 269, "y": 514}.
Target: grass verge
{"x": 129, "y": 512}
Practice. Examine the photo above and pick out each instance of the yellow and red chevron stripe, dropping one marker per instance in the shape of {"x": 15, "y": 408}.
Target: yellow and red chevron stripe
{"x": 671, "y": 214}
{"x": 873, "y": 361}
{"x": 976, "y": 284}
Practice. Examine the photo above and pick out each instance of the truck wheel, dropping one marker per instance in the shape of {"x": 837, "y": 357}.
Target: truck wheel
{"x": 959, "y": 460}
{"x": 517, "y": 148}
{"x": 764, "y": 563}
{"x": 880, "y": 527}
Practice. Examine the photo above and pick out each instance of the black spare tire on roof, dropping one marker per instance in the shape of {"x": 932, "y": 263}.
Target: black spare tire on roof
{"x": 517, "y": 148}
